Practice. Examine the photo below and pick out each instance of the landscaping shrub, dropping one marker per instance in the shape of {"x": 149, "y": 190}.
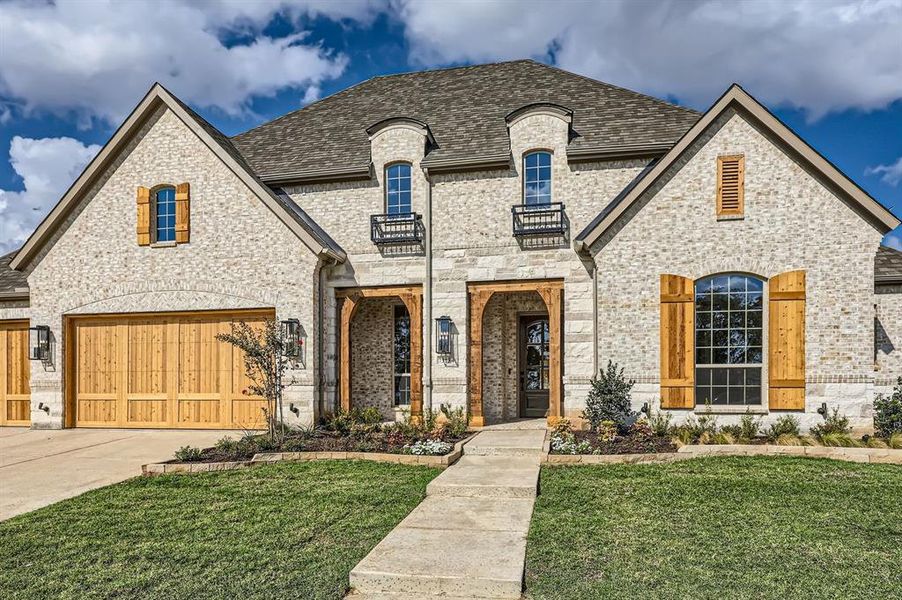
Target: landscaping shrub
{"x": 188, "y": 453}
{"x": 660, "y": 423}
{"x": 785, "y": 425}
{"x": 609, "y": 399}
{"x": 428, "y": 447}
{"x": 696, "y": 431}
{"x": 456, "y": 422}
{"x": 834, "y": 426}
{"x": 226, "y": 445}
{"x": 750, "y": 427}
{"x": 888, "y": 412}
{"x": 734, "y": 431}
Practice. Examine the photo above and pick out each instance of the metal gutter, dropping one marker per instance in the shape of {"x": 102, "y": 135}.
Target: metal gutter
{"x": 318, "y": 175}
{"x": 595, "y": 153}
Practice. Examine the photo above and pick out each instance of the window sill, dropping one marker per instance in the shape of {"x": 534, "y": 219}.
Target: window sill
{"x": 730, "y": 217}
{"x": 164, "y": 245}
{"x": 730, "y": 410}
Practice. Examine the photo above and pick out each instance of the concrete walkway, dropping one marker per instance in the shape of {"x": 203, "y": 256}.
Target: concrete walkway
{"x": 38, "y": 468}
{"x": 467, "y": 539}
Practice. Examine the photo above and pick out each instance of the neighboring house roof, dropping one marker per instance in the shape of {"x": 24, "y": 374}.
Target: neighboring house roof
{"x": 888, "y": 266}
{"x": 736, "y": 97}
{"x": 465, "y": 110}
{"x": 218, "y": 144}
{"x": 12, "y": 283}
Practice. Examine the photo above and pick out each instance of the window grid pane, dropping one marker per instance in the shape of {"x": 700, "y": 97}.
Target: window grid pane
{"x": 397, "y": 190}
{"x": 537, "y": 179}
{"x": 728, "y": 337}
{"x": 164, "y": 208}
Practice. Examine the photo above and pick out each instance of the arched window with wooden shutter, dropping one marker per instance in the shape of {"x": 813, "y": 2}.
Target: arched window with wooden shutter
{"x": 677, "y": 342}
{"x": 182, "y": 213}
{"x": 143, "y": 222}
{"x": 786, "y": 341}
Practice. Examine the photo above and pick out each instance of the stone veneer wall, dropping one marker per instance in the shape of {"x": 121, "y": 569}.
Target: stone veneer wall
{"x": 888, "y": 338}
{"x": 791, "y": 222}
{"x": 240, "y": 256}
{"x": 372, "y": 355}
{"x": 472, "y": 241}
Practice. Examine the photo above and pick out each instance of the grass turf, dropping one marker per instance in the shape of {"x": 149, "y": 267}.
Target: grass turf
{"x": 718, "y": 528}
{"x": 293, "y": 530}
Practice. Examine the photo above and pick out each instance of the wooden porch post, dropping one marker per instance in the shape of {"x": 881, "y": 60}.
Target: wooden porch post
{"x": 552, "y": 295}
{"x": 478, "y": 300}
{"x": 414, "y": 304}
{"x": 348, "y": 307}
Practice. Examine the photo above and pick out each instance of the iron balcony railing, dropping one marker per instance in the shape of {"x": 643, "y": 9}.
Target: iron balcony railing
{"x": 539, "y": 219}
{"x": 404, "y": 228}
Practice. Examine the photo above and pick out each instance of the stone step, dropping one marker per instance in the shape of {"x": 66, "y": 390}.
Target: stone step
{"x": 426, "y": 562}
{"x": 488, "y": 477}
{"x": 506, "y": 443}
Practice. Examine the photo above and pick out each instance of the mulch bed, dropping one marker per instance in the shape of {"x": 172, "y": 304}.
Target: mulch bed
{"x": 630, "y": 444}
{"x": 320, "y": 441}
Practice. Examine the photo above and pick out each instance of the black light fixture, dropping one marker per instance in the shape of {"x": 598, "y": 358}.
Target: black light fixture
{"x": 292, "y": 339}
{"x": 39, "y": 343}
{"x": 443, "y": 336}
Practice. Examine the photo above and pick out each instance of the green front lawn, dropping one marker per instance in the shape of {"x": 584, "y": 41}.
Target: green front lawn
{"x": 718, "y": 528}
{"x": 293, "y": 530}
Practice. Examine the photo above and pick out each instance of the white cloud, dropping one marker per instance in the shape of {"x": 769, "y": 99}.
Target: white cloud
{"x": 97, "y": 57}
{"x": 894, "y": 239}
{"x": 48, "y": 166}
{"x": 819, "y": 55}
{"x": 891, "y": 174}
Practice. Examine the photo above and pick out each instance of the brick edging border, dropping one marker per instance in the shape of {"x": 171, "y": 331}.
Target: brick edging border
{"x": 441, "y": 462}
{"x": 859, "y": 455}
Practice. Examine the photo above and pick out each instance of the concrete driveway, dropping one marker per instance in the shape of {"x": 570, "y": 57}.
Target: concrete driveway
{"x": 38, "y": 468}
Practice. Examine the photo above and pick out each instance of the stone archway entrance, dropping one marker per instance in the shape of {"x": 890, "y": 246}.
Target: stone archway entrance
{"x": 412, "y": 297}
{"x": 478, "y": 295}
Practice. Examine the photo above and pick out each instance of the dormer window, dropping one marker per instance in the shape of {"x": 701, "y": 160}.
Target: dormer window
{"x": 537, "y": 178}
{"x": 164, "y": 215}
{"x": 397, "y": 189}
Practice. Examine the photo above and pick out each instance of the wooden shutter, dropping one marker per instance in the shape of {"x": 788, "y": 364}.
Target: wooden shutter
{"x": 677, "y": 342}
{"x": 786, "y": 341}
{"x": 182, "y": 213}
{"x": 143, "y": 227}
{"x": 730, "y": 184}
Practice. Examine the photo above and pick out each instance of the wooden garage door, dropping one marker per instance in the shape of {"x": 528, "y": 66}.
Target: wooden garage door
{"x": 161, "y": 371}
{"x": 15, "y": 393}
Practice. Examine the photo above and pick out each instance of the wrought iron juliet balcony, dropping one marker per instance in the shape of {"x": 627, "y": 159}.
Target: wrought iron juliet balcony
{"x": 539, "y": 219}
{"x": 396, "y": 229}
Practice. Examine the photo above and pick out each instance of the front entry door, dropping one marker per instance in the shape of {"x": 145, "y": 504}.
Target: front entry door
{"x": 534, "y": 356}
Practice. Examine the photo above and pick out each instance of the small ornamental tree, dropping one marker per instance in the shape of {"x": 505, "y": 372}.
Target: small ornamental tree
{"x": 609, "y": 399}
{"x": 888, "y": 412}
{"x": 264, "y": 365}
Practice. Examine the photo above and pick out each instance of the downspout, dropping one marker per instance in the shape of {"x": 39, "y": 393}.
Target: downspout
{"x": 427, "y": 299}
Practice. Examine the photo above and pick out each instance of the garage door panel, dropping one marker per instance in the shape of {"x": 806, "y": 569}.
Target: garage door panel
{"x": 15, "y": 373}
{"x": 166, "y": 371}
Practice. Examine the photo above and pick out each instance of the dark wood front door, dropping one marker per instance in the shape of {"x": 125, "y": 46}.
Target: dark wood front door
{"x": 534, "y": 357}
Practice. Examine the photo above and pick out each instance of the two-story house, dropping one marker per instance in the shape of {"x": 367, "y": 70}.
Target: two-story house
{"x": 484, "y": 236}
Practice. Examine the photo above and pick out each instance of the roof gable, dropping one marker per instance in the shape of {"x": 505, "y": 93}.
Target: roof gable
{"x": 218, "y": 143}
{"x": 874, "y": 212}
{"x": 465, "y": 109}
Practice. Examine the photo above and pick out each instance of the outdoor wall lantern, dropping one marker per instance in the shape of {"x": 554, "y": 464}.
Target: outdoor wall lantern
{"x": 39, "y": 343}
{"x": 292, "y": 339}
{"x": 443, "y": 336}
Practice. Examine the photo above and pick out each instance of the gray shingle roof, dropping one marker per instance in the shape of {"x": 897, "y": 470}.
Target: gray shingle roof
{"x": 465, "y": 109}
{"x": 11, "y": 281}
{"x": 888, "y": 266}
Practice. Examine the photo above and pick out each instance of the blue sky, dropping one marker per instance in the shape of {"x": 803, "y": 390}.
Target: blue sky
{"x": 831, "y": 70}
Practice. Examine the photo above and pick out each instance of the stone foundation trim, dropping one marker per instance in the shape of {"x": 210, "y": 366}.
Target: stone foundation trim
{"x": 478, "y": 296}
{"x": 412, "y": 297}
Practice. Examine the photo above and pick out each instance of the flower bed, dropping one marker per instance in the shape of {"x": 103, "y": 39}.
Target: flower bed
{"x": 355, "y": 431}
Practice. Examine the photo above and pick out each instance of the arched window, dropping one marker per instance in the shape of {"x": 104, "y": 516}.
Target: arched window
{"x": 397, "y": 189}
{"x": 537, "y": 178}
{"x": 164, "y": 211}
{"x": 729, "y": 339}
